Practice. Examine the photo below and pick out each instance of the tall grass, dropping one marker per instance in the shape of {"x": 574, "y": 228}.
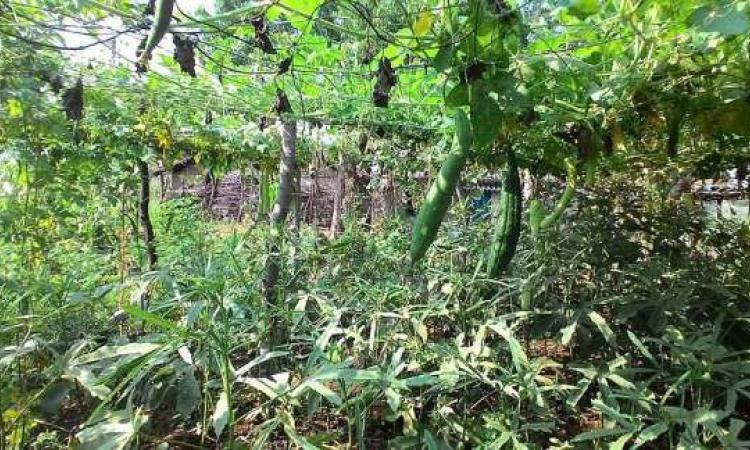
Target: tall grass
{"x": 624, "y": 327}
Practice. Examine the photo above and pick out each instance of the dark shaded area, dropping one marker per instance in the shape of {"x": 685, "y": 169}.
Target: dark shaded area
{"x": 386, "y": 80}
{"x": 184, "y": 52}
{"x": 73, "y": 101}
{"x": 262, "y": 39}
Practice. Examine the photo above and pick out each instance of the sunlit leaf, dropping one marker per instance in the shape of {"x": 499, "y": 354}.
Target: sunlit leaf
{"x": 423, "y": 23}
{"x": 220, "y": 418}
{"x": 114, "y": 432}
{"x": 604, "y": 329}
{"x": 583, "y": 8}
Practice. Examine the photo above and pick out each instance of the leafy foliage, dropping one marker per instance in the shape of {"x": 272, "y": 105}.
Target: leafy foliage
{"x": 621, "y": 321}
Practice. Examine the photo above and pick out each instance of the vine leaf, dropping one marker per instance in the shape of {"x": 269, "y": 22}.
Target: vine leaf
{"x": 458, "y": 96}
{"x": 442, "y": 61}
{"x": 486, "y": 115}
{"x": 583, "y": 8}
{"x": 423, "y": 24}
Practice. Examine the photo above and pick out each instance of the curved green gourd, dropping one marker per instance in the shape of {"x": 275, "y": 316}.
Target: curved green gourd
{"x": 439, "y": 196}
{"x": 163, "y": 17}
{"x": 508, "y": 221}
{"x": 538, "y": 219}
{"x": 674, "y": 122}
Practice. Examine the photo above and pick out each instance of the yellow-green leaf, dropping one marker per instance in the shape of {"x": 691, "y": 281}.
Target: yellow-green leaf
{"x": 423, "y": 24}
{"x": 15, "y": 109}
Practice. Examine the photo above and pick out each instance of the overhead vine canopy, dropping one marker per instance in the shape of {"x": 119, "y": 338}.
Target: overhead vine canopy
{"x": 613, "y": 69}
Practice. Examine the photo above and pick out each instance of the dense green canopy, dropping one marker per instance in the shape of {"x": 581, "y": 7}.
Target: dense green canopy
{"x": 624, "y": 70}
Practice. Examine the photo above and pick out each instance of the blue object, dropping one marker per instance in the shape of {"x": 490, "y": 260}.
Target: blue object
{"x": 480, "y": 206}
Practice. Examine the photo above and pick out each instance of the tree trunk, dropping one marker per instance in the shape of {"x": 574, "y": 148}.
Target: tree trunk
{"x": 145, "y": 217}
{"x": 148, "y": 229}
{"x": 312, "y": 212}
{"x": 338, "y": 196}
{"x": 362, "y": 196}
{"x": 286, "y": 172}
{"x": 162, "y": 185}
{"x": 277, "y": 217}
{"x": 241, "y": 200}
{"x": 298, "y": 207}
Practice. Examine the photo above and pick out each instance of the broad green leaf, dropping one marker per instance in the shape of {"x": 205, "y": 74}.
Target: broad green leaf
{"x": 567, "y": 332}
{"x": 220, "y": 417}
{"x": 583, "y": 8}
{"x": 346, "y": 374}
{"x": 404, "y": 443}
{"x": 486, "y": 117}
{"x": 622, "y": 419}
{"x": 393, "y": 398}
{"x": 432, "y": 443}
{"x": 420, "y": 381}
{"x": 300, "y": 12}
{"x": 443, "y": 59}
{"x": 277, "y": 385}
{"x": 54, "y": 396}
{"x": 331, "y": 329}
{"x": 263, "y": 433}
{"x": 726, "y": 19}
{"x": 114, "y": 432}
{"x": 9, "y": 354}
{"x": 88, "y": 380}
{"x": 15, "y": 108}
{"x": 581, "y": 387}
{"x": 458, "y": 96}
{"x": 188, "y": 393}
{"x": 620, "y": 381}
{"x": 289, "y": 428}
{"x": 420, "y": 329}
{"x": 155, "y": 320}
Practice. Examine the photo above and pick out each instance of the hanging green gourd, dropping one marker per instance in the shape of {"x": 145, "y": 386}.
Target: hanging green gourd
{"x": 539, "y": 219}
{"x": 438, "y": 198}
{"x": 162, "y": 19}
{"x": 674, "y": 123}
{"x": 507, "y": 222}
